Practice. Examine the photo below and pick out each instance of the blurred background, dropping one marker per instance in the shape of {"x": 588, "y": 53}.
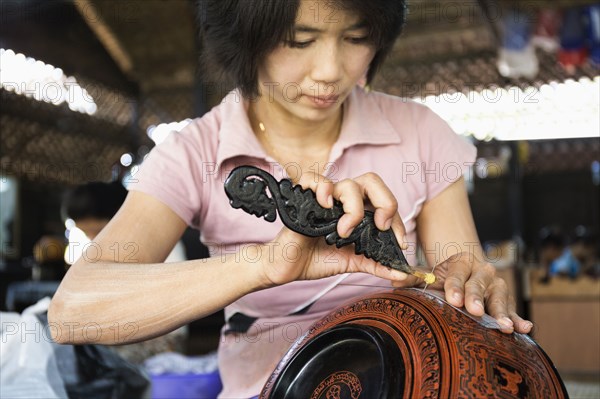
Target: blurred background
{"x": 88, "y": 87}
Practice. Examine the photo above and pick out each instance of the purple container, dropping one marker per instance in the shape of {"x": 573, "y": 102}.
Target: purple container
{"x": 186, "y": 386}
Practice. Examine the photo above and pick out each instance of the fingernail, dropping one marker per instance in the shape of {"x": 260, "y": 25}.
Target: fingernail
{"x": 478, "y": 303}
{"x": 387, "y": 224}
{"x": 404, "y": 244}
{"x": 399, "y": 276}
{"x": 456, "y": 296}
{"x": 345, "y": 233}
{"x": 528, "y": 325}
{"x": 330, "y": 201}
{"x": 505, "y": 321}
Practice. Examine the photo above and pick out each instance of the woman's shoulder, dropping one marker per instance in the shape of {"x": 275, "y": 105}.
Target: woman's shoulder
{"x": 394, "y": 105}
{"x": 399, "y": 111}
{"x": 205, "y": 126}
{"x": 408, "y": 116}
{"x": 208, "y": 126}
{"x": 200, "y": 134}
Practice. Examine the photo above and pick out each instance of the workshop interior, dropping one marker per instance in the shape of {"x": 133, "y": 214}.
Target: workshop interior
{"x": 89, "y": 88}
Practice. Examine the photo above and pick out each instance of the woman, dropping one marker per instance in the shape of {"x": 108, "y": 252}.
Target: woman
{"x": 298, "y": 113}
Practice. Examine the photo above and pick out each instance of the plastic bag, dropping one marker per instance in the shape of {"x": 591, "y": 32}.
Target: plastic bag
{"x": 34, "y": 366}
{"x": 27, "y": 359}
{"x": 105, "y": 375}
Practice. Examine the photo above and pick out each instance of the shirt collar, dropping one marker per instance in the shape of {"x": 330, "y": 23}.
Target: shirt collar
{"x": 364, "y": 123}
{"x": 236, "y": 137}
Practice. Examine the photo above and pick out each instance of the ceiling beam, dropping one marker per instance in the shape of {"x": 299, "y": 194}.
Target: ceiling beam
{"x": 106, "y": 36}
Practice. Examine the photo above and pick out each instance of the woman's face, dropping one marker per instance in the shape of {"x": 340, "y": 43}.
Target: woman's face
{"x": 311, "y": 76}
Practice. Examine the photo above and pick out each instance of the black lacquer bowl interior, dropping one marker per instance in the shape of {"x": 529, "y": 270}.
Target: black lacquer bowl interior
{"x": 345, "y": 362}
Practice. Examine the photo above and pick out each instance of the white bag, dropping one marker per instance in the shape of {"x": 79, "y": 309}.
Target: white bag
{"x": 27, "y": 359}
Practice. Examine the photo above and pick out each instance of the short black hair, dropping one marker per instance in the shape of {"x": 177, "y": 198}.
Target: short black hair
{"x": 93, "y": 200}
{"x": 238, "y": 34}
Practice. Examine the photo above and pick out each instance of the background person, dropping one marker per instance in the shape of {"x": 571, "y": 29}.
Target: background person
{"x": 579, "y": 257}
{"x": 552, "y": 245}
{"x": 91, "y": 206}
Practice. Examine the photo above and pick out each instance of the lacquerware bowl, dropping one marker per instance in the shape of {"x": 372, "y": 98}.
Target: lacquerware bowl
{"x": 408, "y": 343}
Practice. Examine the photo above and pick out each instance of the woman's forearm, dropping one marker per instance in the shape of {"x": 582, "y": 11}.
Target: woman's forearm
{"x": 115, "y": 303}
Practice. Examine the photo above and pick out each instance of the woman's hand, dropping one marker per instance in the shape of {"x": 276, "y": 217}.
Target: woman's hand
{"x": 472, "y": 283}
{"x": 467, "y": 280}
{"x": 293, "y": 256}
{"x": 446, "y": 230}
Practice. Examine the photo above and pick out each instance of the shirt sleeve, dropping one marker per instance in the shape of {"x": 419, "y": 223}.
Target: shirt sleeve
{"x": 170, "y": 174}
{"x": 445, "y": 156}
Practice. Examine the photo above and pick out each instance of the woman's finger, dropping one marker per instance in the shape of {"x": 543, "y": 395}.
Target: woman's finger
{"x": 351, "y": 195}
{"x": 499, "y": 304}
{"x": 477, "y": 286}
{"x": 369, "y": 266}
{"x": 458, "y": 272}
{"x": 321, "y": 185}
{"x": 521, "y": 325}
{"x": 381, "y": 197}
{"x": 502, "y": 307}
{"x": 385, "y": 204}
{"x": 409, "y": 282}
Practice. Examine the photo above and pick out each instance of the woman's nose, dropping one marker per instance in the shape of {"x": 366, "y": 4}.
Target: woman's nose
{"x": 327, "y": 65}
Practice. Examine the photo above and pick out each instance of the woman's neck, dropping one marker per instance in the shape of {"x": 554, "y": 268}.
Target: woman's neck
{"x": 286, "y": 136}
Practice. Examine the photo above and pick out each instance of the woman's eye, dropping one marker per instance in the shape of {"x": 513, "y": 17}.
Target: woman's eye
{"x": 295, "y": 44}
{"x": 358, "y": 40}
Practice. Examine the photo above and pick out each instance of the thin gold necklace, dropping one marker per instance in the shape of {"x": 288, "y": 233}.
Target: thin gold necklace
{"x": 267, "y": 141}
{"x": 273, "y": 150}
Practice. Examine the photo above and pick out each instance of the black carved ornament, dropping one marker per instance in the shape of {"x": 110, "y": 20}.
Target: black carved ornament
{"x": 299, "y": 210}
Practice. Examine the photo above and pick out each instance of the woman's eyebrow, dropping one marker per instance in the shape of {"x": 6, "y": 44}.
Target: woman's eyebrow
{"x": 307, "y": 29}
{"x": 357, "y": 26}
{"x": 312, "y": 29}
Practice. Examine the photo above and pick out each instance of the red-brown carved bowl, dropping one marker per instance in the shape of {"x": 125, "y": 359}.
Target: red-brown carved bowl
{"x": 411, "y": 344}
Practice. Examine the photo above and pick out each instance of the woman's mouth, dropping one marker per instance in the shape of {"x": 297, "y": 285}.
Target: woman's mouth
{"x": 324, "y": 101}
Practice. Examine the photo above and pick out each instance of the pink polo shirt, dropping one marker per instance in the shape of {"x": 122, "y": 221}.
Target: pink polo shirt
{"x": 411, "y": 148}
